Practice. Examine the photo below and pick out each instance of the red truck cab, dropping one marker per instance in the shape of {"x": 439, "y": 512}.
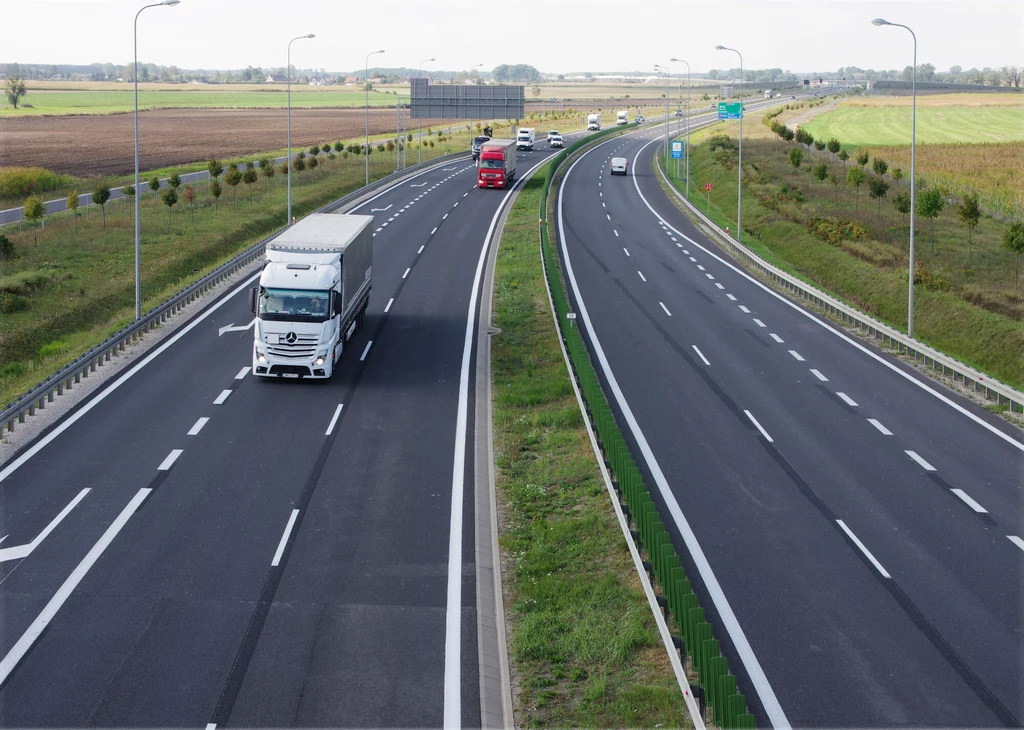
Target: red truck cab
{"x": 497, "y": 166}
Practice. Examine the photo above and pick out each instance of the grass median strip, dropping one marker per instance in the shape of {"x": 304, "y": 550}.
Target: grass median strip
{"x": 583, "y": 643}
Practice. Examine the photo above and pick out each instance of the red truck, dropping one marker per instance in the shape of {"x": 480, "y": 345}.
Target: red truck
{"x": 497, "y": 164}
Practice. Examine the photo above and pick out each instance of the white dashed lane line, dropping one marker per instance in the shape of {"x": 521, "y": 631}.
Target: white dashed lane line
{"x": 222, "y": 397}
{"x": 337, "y": 411}
{"x": 776, "y": 337}
{"x": 720, "y": 286}
{"x": 194, "y": 431}
{"x": 665, "y": 308}
{"x": 700, "y": 355}
{"x": 744, "y": 309}
{"x": 406, "y": 273}
{"x": 796, "y": 355}
{"x": 642, "y": 275}
{"x": 867, "y": 553}
{"x": 169, "y": 461}
{"x": 731, "y": 297}
{"x": 1019, "y": 542}
{"x": 710, "y": 276}
{"x": 242, "y": 373}
{"x": 818, "y": 375}
{"x": 759, "y": 323}
{"x": 924, "y": 464}
{"x": 365, "y": 351}
{"x": 388, "y": 307}
{"x": 433, "y": 231}
{"x": 759, "y": 427}
{"x": 700, "y": 268}
{"x": 847, "y": 399}
{"x": 284, "y": 539}
{"x": 881, "y": 429}
{"x": 626, "y": 250}
{"x": 969, "y": 501}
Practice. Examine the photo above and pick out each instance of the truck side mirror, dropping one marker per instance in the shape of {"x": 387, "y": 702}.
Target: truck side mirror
{"x": 335, "y": 303}
{"x": 253, "y": 294}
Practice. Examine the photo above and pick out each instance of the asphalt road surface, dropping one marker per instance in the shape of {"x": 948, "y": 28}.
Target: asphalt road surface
{"x": 856, "y": 529}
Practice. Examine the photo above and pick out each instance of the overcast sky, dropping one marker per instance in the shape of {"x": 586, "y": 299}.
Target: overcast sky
{"x": 558, "y": 36}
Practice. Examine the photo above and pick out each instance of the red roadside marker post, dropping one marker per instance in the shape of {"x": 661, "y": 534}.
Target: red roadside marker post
{"x": 707, "y": 186}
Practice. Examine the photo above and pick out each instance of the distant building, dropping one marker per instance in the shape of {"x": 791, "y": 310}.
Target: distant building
{"x": 319, "y": 81}
{"x": 277, "y": 79}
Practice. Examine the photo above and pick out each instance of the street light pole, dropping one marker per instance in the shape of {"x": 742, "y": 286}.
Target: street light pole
{"x": 913, "y": 140}
{"x": 668, "y": 119}
{"x": 288, "y": 158}
{"x": 366, "y": 88}
{"x": 138, "y": 226}
{"x": 739, "y": 170}
{"x": 679, "y": 60}
{"x": 419, "y": 139}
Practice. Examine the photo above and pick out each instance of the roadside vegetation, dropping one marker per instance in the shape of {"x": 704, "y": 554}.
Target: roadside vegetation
{"x": 584, "y": 646}
{"x": 836, "y": 215}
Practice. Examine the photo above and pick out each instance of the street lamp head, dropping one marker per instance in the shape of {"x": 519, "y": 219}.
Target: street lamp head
{"x": 720, "y": 48}
{"x": 880, "y": 21}
{"x": 309, "y": 36}
{"x": 170, "y": 2}
{"x": 380, "y": 51}
{"x": 430, "y": 60}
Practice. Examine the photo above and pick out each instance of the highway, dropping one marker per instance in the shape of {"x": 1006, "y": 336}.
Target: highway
{"x": 855, "y": 528}
{"x": 192, "y": 546}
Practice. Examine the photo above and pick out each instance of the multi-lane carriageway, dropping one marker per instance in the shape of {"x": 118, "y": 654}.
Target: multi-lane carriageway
{"x": 193, "y": 547}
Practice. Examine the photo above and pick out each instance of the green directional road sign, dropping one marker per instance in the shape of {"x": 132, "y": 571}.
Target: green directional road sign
{"x": 730, "y": 109}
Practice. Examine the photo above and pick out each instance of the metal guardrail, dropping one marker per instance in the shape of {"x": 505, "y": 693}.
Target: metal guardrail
{"x": 73, "y": 373}
{"x": 992, "y": 389}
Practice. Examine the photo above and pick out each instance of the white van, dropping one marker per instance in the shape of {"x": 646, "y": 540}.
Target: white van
{"x": 622, "y": 117}
{"x": 524, "y": 138}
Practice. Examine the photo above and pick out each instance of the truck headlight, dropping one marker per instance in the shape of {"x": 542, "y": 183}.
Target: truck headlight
{"x": 320, "y": 359}
{"x": 260, "y": 356}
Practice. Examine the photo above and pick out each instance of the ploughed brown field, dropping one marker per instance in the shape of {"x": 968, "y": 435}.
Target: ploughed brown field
{"x": 105, "y": 144}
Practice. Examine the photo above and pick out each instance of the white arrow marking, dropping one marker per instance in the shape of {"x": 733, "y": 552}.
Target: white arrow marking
{"x": 22, "y": 551}
{"x": 231, "y": 328}
{"x": 374, "y": 210}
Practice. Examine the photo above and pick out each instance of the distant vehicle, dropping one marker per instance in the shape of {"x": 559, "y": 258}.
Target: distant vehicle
{"x": 792, "y": 97}
{"x": 768, "y": 94}
{"x": 679, "y": 112}
{"x": 497, "y": 166}
{"x": 312, "y": 295}
{"x": 593, "y": 122}
{"x": 477, "y": 143}
{"x": 524, "y": 138}
{"x": 556, "y": 141}
{"x": 553, "y": 133}
{"x": 640, "y": 119}
{"x": 622, "y": 117}
{"x": 620, "y": 166}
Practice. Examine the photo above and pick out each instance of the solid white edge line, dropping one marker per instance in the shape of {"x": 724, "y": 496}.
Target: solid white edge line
{"x": 284, "y": 539}
{"x": 18, "y": 651}
{"x": 1019, "y": 542}
{"x": 819, "y": 375}
{"x": 365, "y": 350}
{"x": 388, "y": 307}
{"x": 969, "y": 501}
{"x": 729, "y": 621}
{"x": 701, "y": 355}
{"x": 849, "y": 401}
{"x": 759, "y": 427}
{"x": 867, "y": 553}
{"x": 222, "y": 397}
{"x": 924, "y": 464}
{"x": 665, "y": 308}
{"x": 334, "y": 420}
{"x": 878, "y": 424}
{"x": 198, "y": 426}
{"x": 172, "y": 457}
{"x": 73, "y": 418}
{"x": 242, "y": 373}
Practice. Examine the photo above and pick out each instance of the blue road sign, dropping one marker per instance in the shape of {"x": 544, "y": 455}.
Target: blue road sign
{"x": 677, "y": 150}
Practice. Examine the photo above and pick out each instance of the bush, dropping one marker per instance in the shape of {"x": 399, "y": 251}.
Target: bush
{"x": 12, "y": 369}
{"x": 6, "y": 248}
{"x": 834, "y": 231}
{"x": 11, "y": 303}
{"x": 25, "y": 282}
{"x": 19, "y": 182}
{"x": 57, "y": 347}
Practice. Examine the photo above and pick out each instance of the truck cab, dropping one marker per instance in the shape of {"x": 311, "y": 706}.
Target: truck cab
{"x": 622, "y": 117}
{"x": 525, "y": 138}
{"x": 593, "y": 122}
{"x": 497, "y": 166}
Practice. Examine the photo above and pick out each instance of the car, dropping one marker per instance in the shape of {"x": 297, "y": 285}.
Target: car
{"x": 477, "y": 143}
{"x": 556, "y": 141}
{"x": 679, "y": 112}
{"x": 792, "y": 97}
{"x": 553, "y": 133}
{"x": 640, "y": 119}
{"x": 620, "y": 166}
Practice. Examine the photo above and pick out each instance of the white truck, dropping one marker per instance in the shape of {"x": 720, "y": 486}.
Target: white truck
{"x": 593, "y": 122}
{"x": 312, "y": 295}
{"x": 622, "y": 117}
{"x": 524, "y": 138}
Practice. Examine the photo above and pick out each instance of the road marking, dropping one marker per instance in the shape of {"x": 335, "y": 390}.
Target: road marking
{"x": 641, "y": 275}
{"x": 465, "y": 194}
{"x": 198, "y": 426}
{"x": 867, "y": 553}
{"x": 213, "y": 725}
{"x": 685, "y": 251}
{"x": 710, "y": 276}
{"x": 796, "y": 354}
{"x": 626, "y": 250}
{"x": 818, "y": 375}
{"x": 913, "y": 455}
{"x": 701, "y": 355}
{"x": 731, "y": 297}
{"x": 377, "y": 231}
{"x": 608, "y": 216}
{"x": 969, "y": 502}
{"x": 700, "y": 268}
{"x": 744, "y": 309}
{"x": 406, "y": 272}
{"x": 603, "y": 204}
{"x": 759, "y": 428}
{"x": 366, "y": 350}
{"x": 19, "y": 552}
{"x": 242, "y": 372}
{"x": 665, "y": 308}
{"x": 444, "y": 216}
{"x": 284, "y": 538}
{"x": 693, "y": 259}
{"x": 1016, "y": 541}
{"x": 18, "y": 651}
{"x": 456, "y": 204}
{"x": 433, "y": 231}
{"x": 222, "y": 397}
{"x": 421, "y": 249}
{"x": 759, "y": 323}
{"x": 679, "y": 245}
{"x": 672, "y": 237}
{"x": 877, "y": 424}
{"x": 384, "y": 224}
{"x": 720, "y": 286}
{"x": 849, "y": 401}
{"x": 776, "y": 337}
{"x": 616, "y": 233}
{"x": 388, "y": 307}
{"x": 334, "y": 420}
{"x": 391, "y": 219}
{"x": 379, "y": 210}
{"x": 169, "y": 461}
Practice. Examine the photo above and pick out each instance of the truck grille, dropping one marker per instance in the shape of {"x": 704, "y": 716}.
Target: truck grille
{"x": 303, "y": 347}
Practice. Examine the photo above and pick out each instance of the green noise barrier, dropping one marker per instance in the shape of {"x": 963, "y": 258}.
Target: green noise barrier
{"x": 719, "y": 688}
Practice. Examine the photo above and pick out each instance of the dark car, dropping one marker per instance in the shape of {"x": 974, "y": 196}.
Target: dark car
{"x": 477, "y": 143}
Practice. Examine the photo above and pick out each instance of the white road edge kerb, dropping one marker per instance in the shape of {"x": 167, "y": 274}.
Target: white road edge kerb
{"x": 731, "y": 624}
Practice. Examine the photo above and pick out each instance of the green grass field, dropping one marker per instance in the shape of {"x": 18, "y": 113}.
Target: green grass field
{"x": 859, "y": 127}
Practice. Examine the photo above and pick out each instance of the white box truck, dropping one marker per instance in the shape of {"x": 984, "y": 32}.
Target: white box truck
{"x": 524, "y": 138}
{"x": 622, "y": 117}
{"x": 593, "y": 122}
{"x": 312, "y": 295}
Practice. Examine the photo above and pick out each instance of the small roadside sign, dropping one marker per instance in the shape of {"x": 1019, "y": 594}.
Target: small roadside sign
{"x": 730, "y": 110}
{"x": 707, "y": 186}
{"x": 570, "y": 315}
{"x": 677, "y": 150}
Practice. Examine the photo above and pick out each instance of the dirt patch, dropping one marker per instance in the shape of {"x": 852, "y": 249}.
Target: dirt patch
{"x": 105, "y": 144}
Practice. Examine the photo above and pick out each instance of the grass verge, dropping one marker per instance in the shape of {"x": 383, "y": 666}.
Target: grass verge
{"x": 583, "y": 643}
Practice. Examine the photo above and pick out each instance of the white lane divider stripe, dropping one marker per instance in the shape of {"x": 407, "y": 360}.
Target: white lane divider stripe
{"x": 700, "y": 268}
{"x": 867, "y": 553}
{"x": 731, "y": 297}
{"x": 388, "y": 307}
{"x": 641, "y": 275}
{"x": 720, "y": 286}
{"x": 877, "y": 424}
{"x": 626, "y": 250}
{"x": 776, "y": 337}
{"x": 444, "y": 216}
{"x": 924, "y": 464}
{"x": 421, "y": 249}
{"x": 849, "y": 401}
{"x": 222, "y": 397}
{"x": 18, "y": 651}
{"x": 242, "y": 373}
{"x": 406, "y": 272}
{"x": 433, "y": 231}
{"x": 365, "y": 350}
{"x": 709, "y": 276}
{"x": 284, "y": 539}
{"x": 701, "y": 355}
{"x": 970, "y": 502}
{"x": 616, "y": 233}
{"x": 744, "y": 309}
{"x": 818, "y": 375}
{"x": 334, "y": 420}
{"x": 608, "y": 216}
{"x": 759, "y": 323}
{"x": 194, "y": 431}
{"x": 796, "y": 354}
{"x": 759, "y": 427}
{"x": 1019, "y": 542}
{"x": 169, "y": 461}
{"x": 665, "y": 308}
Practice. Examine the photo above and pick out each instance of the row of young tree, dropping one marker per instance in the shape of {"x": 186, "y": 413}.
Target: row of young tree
{"x": 930, "y": 201}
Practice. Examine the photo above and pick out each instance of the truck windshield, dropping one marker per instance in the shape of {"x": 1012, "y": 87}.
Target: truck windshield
{"x": 491, "y": 164}
{"x": 302, "y": 305}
